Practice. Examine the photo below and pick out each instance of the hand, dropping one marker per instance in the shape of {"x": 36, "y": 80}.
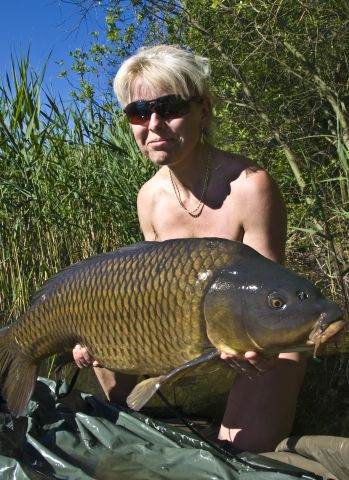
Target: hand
{"x": 252, "y": 363}
{"x": 83, "y": 358}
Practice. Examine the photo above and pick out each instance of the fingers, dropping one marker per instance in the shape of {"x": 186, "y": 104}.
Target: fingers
{"x": 251, "y": 364}
{"x": 260, "y": 363}
{"x": 82, "y": 357}
{"x": 242, "y": 367}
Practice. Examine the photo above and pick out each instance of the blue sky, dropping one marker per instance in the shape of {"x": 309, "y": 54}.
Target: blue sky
{"x": 47, "y": 26}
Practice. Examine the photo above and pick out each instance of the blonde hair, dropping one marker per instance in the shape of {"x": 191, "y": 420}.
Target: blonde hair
{"x": 170, "y": 68}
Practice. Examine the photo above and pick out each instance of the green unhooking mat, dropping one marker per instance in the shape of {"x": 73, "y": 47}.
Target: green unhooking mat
{"x": 81, "y": 437}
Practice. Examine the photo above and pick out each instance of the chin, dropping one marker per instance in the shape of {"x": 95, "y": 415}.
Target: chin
{"x": 160, "y": 160}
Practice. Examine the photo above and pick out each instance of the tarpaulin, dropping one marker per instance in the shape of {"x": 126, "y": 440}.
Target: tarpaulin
{"x": 81, "y": 437}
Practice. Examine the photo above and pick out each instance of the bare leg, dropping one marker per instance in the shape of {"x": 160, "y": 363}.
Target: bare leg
{"x": 116, "y": 386}
{"x": 260, "y": 412}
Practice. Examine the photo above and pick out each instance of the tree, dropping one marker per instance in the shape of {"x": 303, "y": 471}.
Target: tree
{"x": 280, "y": 73}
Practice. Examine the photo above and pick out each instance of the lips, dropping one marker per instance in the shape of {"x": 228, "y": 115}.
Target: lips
{"x": 158, "y": 141}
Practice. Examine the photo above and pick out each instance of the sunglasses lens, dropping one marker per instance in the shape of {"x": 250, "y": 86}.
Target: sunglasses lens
{"x": 168, "y": 107}
{"x": 138, "y": 113}
{"x": 173, "y": 108}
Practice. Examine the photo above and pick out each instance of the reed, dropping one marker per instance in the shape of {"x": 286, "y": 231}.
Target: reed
{"x": 68, "y": 184}
{"x": 318, "y": 246}
{"x": 325, "y": 222}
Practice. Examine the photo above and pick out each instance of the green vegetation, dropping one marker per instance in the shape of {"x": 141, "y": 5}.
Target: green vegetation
{"x": 68, "y": 185}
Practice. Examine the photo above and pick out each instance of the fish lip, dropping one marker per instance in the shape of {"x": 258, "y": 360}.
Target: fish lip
{"x": 320, "y": 335}
{"x": 327, "y": 330}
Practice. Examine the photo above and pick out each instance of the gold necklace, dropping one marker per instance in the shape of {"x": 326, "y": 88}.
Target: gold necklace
{"x": 196, "y": 212}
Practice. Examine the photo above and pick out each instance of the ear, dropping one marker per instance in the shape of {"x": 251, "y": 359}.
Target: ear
{"x": 206, "y": 113}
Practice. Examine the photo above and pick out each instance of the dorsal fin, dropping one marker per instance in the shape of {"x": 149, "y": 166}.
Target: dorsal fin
{"x": 60, "y": 277}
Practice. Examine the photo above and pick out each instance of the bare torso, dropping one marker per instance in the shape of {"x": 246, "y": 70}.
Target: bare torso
{"x": 234, "y": 207}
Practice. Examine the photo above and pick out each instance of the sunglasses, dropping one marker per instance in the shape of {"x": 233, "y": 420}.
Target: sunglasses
{"x": 168, "y": 107}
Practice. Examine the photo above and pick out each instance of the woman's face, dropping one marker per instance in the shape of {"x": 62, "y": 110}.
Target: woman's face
{"x": 170, "y": 141}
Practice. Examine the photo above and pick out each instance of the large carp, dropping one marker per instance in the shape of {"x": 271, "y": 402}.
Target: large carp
{"x": 164, "y": 308}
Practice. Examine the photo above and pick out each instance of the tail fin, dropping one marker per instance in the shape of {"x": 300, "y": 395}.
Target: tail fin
{"x": 18, "y": 375}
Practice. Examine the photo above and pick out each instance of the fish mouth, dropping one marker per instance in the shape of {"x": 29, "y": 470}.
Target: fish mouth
{"x": 323, "y": 333}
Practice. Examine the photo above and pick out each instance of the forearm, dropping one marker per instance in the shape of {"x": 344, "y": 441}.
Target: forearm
{"x": 260, "y": 412}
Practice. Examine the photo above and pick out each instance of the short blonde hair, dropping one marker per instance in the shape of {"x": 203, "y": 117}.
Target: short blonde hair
{"x": 170, "y": 68}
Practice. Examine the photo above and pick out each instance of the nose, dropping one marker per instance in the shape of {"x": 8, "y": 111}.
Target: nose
{"x": 155, "y": 121}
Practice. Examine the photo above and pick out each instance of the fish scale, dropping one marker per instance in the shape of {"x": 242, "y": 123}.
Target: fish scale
{"x": 152, "y": 307}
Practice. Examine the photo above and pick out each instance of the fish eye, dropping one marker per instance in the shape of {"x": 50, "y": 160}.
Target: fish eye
{"x": 302, "y": 295}
{"x": 275, "y": 301}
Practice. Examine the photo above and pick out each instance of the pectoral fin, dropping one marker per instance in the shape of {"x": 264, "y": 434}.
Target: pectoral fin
{"x": 143, "y": 392}
{"x": 146, "y": 389}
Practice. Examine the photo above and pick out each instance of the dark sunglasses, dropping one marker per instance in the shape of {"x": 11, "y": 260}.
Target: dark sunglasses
{"x": 168, "y": 107}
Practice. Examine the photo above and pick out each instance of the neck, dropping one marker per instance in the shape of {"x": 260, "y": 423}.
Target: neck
{"x": 184, "y": 203}
{"x": 190, "y": 171}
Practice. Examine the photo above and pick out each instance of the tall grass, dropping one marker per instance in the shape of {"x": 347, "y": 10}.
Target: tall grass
{"x": 319, "y": 247}
{"x": 319, "y": 220}
{"x": 68, "y": 184}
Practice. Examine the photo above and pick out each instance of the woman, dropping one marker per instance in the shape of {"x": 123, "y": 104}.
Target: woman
{"x": 201, "y": 191}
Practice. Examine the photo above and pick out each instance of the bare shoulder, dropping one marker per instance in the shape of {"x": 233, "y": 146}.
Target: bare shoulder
{"x": 254, "y": 181}
{"x": 260, "y": 197}
{"x": 246, "y": 177}
{"x": 151, "y": 188}
{"x": 232, "y": 167}
{"x": 258, "y": 205}
{"x": 147, "y": 199}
